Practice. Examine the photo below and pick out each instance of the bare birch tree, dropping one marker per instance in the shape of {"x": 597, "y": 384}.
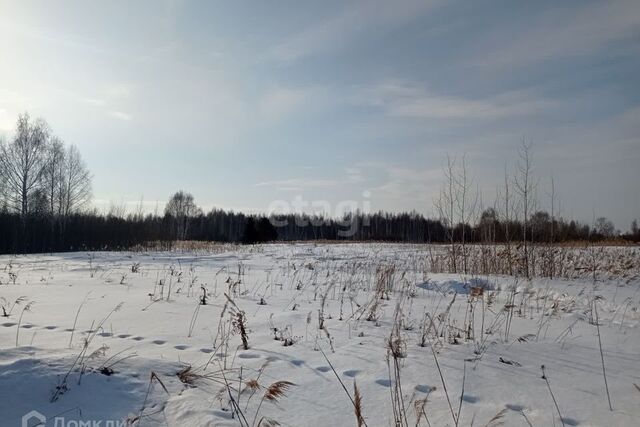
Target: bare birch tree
{"x": 22, "y": 162}
{"x": 467, "y": 203}
{"x": 181, "y": 207}
{"x": 525, "y": 188}
{"x": 445, "y": 206}
{"x": 3, "y": 205}
{"x": 507, "y": 218}
{"x": 52, "y": 175}
{"x": 552, "y": 234}
{"x": 75, "y": 193}
{"x": 456, "y": 205}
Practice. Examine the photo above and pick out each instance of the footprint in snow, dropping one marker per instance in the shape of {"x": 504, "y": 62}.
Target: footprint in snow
{"x": 351, "y": 373}
{"x": 8, "y": 324}
{"x": 50, "y": 328}
{"x": 181, "y": 347}
{"x": 248, "y": 356}
{"x": 514, "y": 407}
{"x": 206, "y": 350}
{"x": 423, "y": 388}
{"x": 470, "y": 398}
{"x": 570, "y": 421}
{"x": 323, "y": 369}
{"x": 223, "y": 414}
{"x": 124, "y": 335}
{"x": 27, "y": 326}
{"x": 158, "y": 342}
{"x": 383, "y": 383}
{"x": 297, "y": 362}
{"x": 137, "y": 338}
{"x": 105, "y": 334}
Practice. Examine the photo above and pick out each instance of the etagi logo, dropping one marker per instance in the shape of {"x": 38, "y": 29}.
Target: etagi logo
{"x": 33, "y": 419}
{"x": 319, "y": 212}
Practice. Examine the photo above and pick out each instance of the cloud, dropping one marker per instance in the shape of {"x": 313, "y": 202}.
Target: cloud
{"x": 282, "y": 101}
{"x": 14, "y": 28}
{"x": 400, "y": 99}
{"x": 298, "y": 184}
{"x": 354, "y": 175}
{"x": 93, "y": 101}
{"x": 404, "y": 188}
{"x": 356, "y": 19}
{"x": 118, "y": 90}
{"x": 120, "y": 115}
{"x": 588, "y": 31}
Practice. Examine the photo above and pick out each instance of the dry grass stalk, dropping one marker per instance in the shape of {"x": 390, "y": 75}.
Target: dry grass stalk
{"x": 604, "y": 372}
{"x": 555, "y": 402}
{"x": 274, "y": 392}
{"x": 353, "y": 402}
{"x": 497, "y": 419}
{"x": 357, "y": 404}
{"x": 4, "y": 304}
{"x": 277, "y": 390}
{"x": 419, "y": 406}
{"x": 444, "y": 385}
{"x": 239, "y": 322}
{"x": 62, "y": 386}
{"x": 153, "y": 377}
{"x": 25, "y": 308}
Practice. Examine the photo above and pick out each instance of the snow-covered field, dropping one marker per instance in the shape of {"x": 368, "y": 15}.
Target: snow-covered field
{"x": 102, "y": 337}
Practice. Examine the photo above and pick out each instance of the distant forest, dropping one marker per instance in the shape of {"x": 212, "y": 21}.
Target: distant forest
{"x": 45, "y": 194}
{"x": 92, "y": 231}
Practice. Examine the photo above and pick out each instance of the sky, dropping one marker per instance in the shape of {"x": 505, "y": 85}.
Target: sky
{"x": 246, "y": 104}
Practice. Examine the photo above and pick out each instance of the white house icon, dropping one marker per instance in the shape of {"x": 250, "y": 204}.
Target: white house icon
{"x": 33, "y": 419}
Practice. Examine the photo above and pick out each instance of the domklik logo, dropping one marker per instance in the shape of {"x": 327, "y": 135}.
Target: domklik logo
{"x": 33, "y": 419}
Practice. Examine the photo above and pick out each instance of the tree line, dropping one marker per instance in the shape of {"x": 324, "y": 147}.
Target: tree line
{"x": 94, "y": 231}
{"x": 45, "y": 194}
{"x": 43, "y": 183}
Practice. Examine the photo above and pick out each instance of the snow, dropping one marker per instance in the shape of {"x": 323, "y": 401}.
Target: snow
{"x": 281, "y": 289}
